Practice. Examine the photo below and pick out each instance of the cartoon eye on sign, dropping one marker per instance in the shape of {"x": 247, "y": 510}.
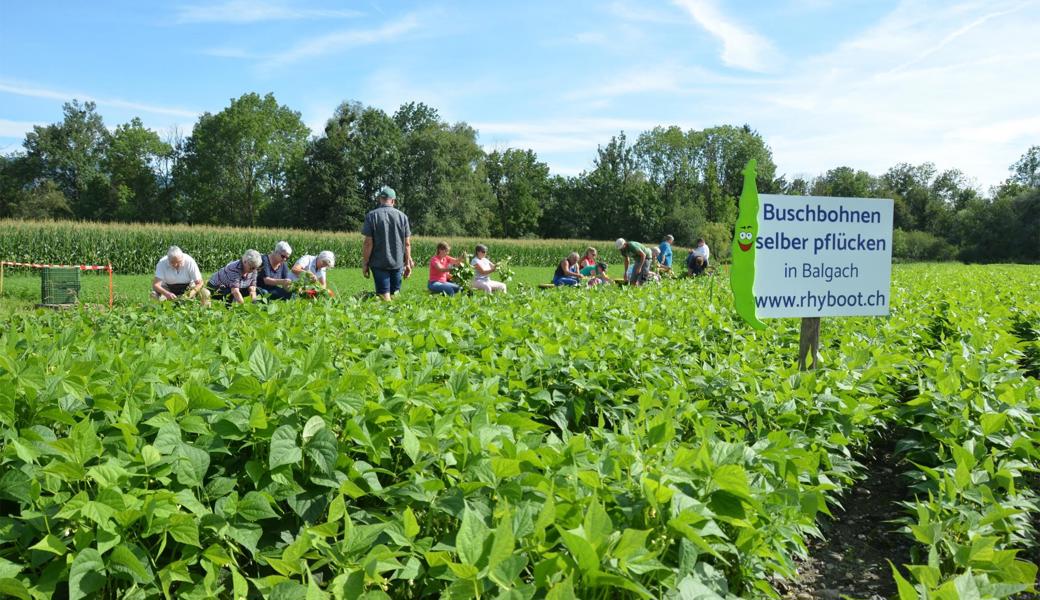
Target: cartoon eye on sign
{"x": 742, "y": 273}
{"x": 745, "y": 239}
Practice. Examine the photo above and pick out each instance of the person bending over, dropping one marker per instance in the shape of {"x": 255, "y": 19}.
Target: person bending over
{"x": 237, "y": 279}
{"x": 177, "y": 275}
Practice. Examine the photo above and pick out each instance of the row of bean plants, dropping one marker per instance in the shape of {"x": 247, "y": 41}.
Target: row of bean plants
{"x": 971, "y": 435}
{"x": 613, "y": 443}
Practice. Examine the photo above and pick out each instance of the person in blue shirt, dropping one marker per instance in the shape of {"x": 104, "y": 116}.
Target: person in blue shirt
{"x": 665, "y": 257}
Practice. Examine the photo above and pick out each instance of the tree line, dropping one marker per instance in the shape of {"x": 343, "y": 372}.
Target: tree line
{"x": 255, "y": 163}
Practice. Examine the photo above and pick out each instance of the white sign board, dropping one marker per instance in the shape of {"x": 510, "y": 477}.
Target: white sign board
{"x": 823, "y": 257}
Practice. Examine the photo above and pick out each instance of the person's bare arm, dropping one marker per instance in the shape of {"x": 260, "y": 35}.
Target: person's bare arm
{"x": 161, "y": 291}
{"x": 408, "y": 263}
{"x": 366, "y": 253}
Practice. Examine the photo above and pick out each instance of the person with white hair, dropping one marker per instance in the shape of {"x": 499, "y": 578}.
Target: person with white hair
{"x": 636, "y": 254}
{"x": 236, "y": 279}
{"x": 273, "y": 278}
{"x": 314, "y": 267}
{"x": 567, "y": 271}
{"x": 176, "y": 275}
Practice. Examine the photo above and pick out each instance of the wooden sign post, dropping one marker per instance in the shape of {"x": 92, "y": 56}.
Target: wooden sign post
{"x": 809, "y": 341}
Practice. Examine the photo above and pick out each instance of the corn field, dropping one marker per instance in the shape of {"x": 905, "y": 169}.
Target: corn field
{"x": 135, "y": 248}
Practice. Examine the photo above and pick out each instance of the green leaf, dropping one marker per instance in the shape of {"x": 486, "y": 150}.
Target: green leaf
{"x": 410, "y": 525}
{"x": 502, "y": 541}
{"x": 87, "y": 574}
{"x": 966, "y": 587}
{"x": 192, "y": 464}
{"x": 323, "y": 450}
{"x": 906, "y": 591}
{"x": 313, "y": 426}
{"x": 505, "y": 468}
{"x": 616, "y": 582}
{"x": 184, "y": 528}
{"x": 262, "y": 362}
{"x": 631, "y": 544}
{"x": 582, "y": 551}
{"x": 469, "y": 541}
{"x": 150, "y": 456}
{"x": 239, "y": 585}
{"x": 201, "y": 397}
{"x": 992, "y": 422}
{"x": 123, "y": 559}
{"x": 507, "y": 572}
{"x": 733, "y": 479}
{"x": 410, "y": 444}
{"x": 337, "y": 508}
{"x": 168, "y": 439}
{"x": 256, "y": 507}
{"x": 313, "y": 591}
{"x": 597, "y": 526}
{"x": 13, "y": 588}
{"x": 562, "y": 591}
{"x": 17, "y": 486}
{"x": 284, "y": 450}
{"x": 51, "y": 543}
{"x": 85, "y": 442}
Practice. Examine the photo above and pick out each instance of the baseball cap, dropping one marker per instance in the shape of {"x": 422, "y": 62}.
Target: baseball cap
{"x": 620, "y": 243}
{"x": 387, "y": 192}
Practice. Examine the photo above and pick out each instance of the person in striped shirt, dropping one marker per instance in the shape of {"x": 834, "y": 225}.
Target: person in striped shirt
{"x": 236, "y": 279}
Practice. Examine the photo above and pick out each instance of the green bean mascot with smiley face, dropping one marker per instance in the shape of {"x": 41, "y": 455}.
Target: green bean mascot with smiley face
{"x": 742, "y": 273}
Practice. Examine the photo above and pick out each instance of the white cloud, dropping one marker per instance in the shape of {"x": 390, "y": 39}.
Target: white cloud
{"x": 254, "y": 11}
{"x": 741, "y": 47}
{"x": 561, "y": 135}
{"x": 32, "y": 91}
{"x": 342, "y": 40}
{"x": 15, "y": 129}
{"x": 656, "y": 79}
{"x": 231, "y": 52}
{"x": 930, "y": 82}
{"x": 592, "y": 38}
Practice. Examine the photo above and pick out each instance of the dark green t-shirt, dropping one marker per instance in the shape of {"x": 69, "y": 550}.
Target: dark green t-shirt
{"x": 633, "y": 249}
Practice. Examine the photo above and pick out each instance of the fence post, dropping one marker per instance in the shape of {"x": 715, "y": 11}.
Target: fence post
{"x": 111, "y": 294}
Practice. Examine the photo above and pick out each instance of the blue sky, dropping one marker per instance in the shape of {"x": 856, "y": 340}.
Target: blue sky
{"x": 828, "y": 83}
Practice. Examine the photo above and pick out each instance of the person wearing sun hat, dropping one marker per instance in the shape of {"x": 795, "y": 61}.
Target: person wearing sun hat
{"x": 387, "y": 251}
{"x": 636, "y": 254}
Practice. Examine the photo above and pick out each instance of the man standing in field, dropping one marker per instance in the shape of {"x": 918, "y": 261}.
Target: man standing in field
{"x": 639, "y": 256}
{"x": 387, "y": 252}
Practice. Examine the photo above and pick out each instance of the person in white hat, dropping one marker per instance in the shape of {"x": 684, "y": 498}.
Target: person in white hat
{"x": 636, "y": 254}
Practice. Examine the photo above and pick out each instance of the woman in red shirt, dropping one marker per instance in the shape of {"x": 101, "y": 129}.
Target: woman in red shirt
{"x": 440, "y": 271}
{"x": 589, "y": 260}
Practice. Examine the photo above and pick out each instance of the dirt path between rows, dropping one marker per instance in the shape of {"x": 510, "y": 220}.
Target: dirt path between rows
{"x": 852, "y": 560}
